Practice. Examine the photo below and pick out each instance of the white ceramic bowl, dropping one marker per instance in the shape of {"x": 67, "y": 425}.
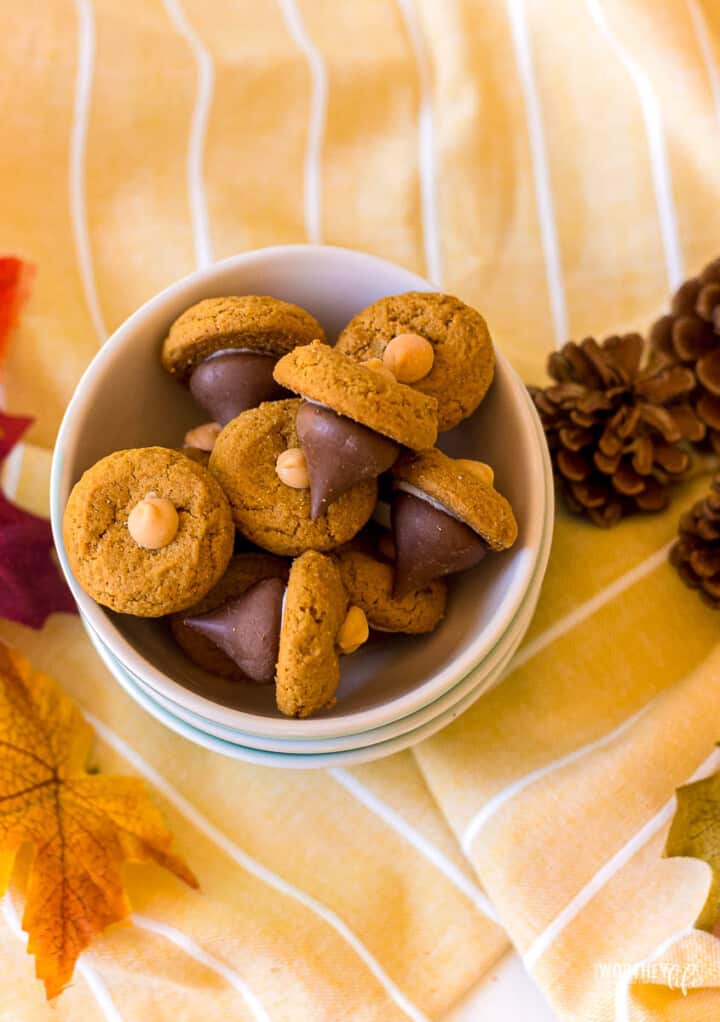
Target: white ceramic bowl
{"x": 125, "y": 399}
{"x": 476, "y": 682}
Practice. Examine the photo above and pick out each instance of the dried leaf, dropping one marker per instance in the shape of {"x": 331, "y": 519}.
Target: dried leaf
{"x": 695, "y": 832}
{"x": 82, "y": 827}
{"x": 31, "y": 586}
{"x": 15, "y": 281}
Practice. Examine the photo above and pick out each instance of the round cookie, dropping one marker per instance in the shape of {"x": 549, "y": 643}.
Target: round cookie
{"x": 242, "y": 572}
{"x": 462, "y": 493}
{"x": 272, "y": 514}
{"x": 371, "y": 398}
{"x": 110, "y": 564}
{"x": 250, "y": 322}
{"x": 308, "y": 667}
{"x": 464, "y": 360}
{"x": 369, "y": 584}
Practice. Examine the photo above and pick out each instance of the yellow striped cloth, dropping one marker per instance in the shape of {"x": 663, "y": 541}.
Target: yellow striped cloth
{"x": 554, "y": 164}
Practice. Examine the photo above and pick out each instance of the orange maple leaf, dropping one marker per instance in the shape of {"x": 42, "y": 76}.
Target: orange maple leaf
{"x": 82, "y": 826}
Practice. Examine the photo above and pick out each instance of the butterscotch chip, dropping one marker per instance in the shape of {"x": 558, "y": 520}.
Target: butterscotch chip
{"x": 369, "y": 583}
{"x": 153, "y": 522}
{"x": 292, "y": 469}
{"x": 308, "y": 668}
{"x": 203, "y": 437}
{"x": 354, "y": 630}
{"x": 464, "y": 494}
{"x": 243, "y": 571}
{"x": 106, "y": 560}
{"x": 252, "y": 322}
{"x": 409, "y": 357}
{"x": 464, "y": 360}
{"x": 267, "y": 511}
{"x": 360, "y": 393}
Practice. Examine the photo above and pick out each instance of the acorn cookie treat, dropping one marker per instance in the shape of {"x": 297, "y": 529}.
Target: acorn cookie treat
{"x": 289, "y": 632}
{"x": 318, "y": 626}
{"x": 147, "y": 531}
{"x": 259, "y": 464}
{"x": 243, "y": 571}
{"x": 446, "y": 515}
{"x": 369, "y": 582}
{"x": 225, "y": 350}
{"x": 432, "y": 342}
{"x": 353, "y": 421}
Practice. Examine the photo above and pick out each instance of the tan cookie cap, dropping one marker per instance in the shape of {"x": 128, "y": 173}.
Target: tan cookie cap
{"x": 464, "y": 493}
{"x": 374, "y": 399}
{"x": 256, "y": 322}
{"x": 308, "y": 668}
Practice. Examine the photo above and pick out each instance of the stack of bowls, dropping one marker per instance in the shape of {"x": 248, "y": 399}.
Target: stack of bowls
{"x": 393, "y": 692}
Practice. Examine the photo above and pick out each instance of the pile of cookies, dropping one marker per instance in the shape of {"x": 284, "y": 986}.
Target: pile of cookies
{"x": 313, "y": 506}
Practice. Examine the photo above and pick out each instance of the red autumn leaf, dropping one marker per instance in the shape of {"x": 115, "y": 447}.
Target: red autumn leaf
{"x": 31, "y": 587}
{"x": 15, "y": 280}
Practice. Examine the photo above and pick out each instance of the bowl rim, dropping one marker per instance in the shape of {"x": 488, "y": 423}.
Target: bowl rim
{"x": 318, "y": 727}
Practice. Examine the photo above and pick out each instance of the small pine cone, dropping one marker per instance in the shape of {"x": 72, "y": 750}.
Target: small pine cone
{"x": 690, "y": 336}
{"x": 696, "y": 554}
{"x": 615, "y": 425}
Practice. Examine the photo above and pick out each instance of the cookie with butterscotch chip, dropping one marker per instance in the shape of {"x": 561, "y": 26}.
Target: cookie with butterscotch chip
{"x": 147, "y": 531}
{"x": 446, "y": 516}
{"x": 360, "y": 393}
{"x": 259, "y": 465}
{"x": 456, "y": 362}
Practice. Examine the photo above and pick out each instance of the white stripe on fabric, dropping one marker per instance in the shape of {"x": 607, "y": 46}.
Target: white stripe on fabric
{"x": 655, "y": 132}
{"x": 257, "y": 869}
{"x": 585, "y": 610}
{"x": 498, "y": 800}
{"x": 541, "y": 172}
{"x": 622, "y": 988}
{"x": 545, "y": 939}
{"x": 77, "y": 169}
{"x": 706, "y": 49}
{"x": 426, "y": 144}
{"x": 198, "y": 131}
{"x": 417, "y": 840}
{"x": 97, "y": 987}
{"x": 11, "y": 471}
{"x": 188, "y": 945}
{"x": 318, "y": 115}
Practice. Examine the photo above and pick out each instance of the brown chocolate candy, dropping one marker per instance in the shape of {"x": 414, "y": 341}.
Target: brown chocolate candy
{"x": 247, "y": 629}
{"x": 339, "y": 453}
{"x": 229, "y": 382}
{"x": 429, "y": 543}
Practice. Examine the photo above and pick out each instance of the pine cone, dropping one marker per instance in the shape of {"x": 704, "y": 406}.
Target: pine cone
{"x": 696, "y": 554}
{"x": 614, "y": 423}
{"x": 690, "y": 336}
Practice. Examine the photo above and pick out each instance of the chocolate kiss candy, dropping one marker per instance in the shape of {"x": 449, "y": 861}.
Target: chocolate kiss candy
{"x": 247, "y": 629}
{"x": 233, "y": 381}
{"x": 429, "y": 543}
{"x": 339, "y": 453}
